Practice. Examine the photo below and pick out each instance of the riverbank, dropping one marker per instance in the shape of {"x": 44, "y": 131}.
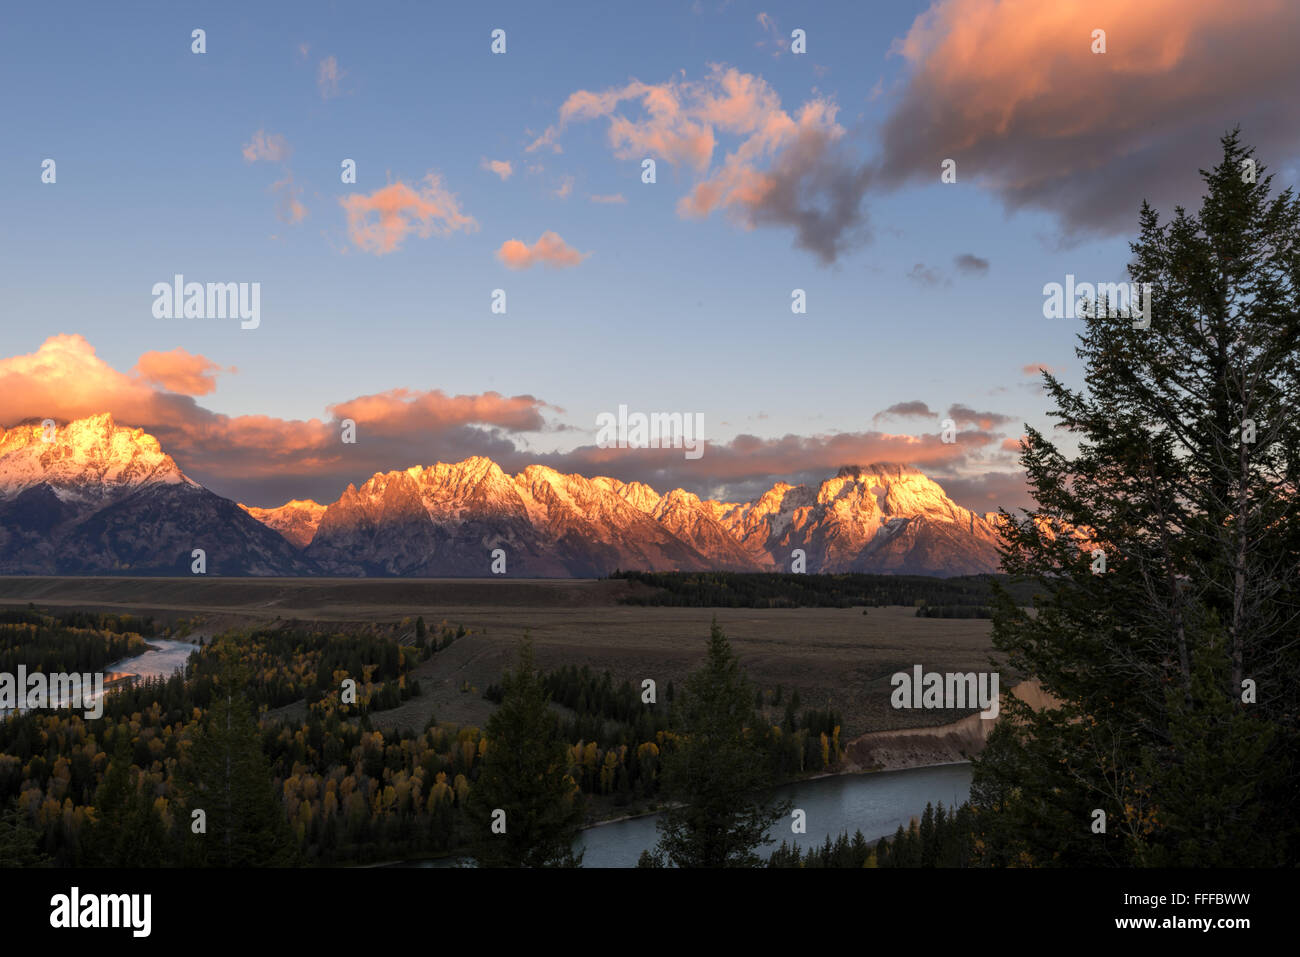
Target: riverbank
{"x": 955, "y": 743}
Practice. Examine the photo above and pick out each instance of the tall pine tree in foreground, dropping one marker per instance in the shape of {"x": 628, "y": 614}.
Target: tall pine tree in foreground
{"x": 229, "y": 779}
{"x": 717, "y": 771}
{"x": 1176, "y": 663}
{"x": 524, "y": 774}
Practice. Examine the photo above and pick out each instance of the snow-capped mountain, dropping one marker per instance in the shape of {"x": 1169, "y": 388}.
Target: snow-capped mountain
{"x": 105, "y": 499}
{"x": 447, "y": 520}
{"x": 88, "y": 461}
{"x": 100, "y": 498}
{"x": 296, "y": 520}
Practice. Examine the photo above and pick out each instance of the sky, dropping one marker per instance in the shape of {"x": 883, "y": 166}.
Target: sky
{"x": 522, "y": 171}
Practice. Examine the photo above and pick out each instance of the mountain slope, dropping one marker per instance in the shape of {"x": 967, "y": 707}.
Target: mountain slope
{"x": 105, "y": 499}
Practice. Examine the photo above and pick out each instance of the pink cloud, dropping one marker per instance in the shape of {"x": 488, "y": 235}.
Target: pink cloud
{"x": 1013, "y": 92}
{"x": 265, "y": 460}
{"x": 502, "y": 168}
{"x": 549, "y": 250}
{"x": 260, "y": 459}
{"x": 272, "y": 147}
{"x": 288, "y": 205}
{"x": 402, "y": 210}
{"x": 785, "y": 171}
{"x": 179, "y": 371}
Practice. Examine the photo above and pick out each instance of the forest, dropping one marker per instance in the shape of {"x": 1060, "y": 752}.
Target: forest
{"x": 328, "y": 786}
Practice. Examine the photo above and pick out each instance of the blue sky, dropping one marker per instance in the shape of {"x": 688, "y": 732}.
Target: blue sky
{"x": 665, "y": 312}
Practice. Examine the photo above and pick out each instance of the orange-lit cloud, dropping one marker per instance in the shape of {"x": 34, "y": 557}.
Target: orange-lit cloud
{"x": 1036, "y": 369}
{"x": 915, "y": 408}
{"x": 179, "y": 371}
{"x": 289, "y": 206}
{"x": 272, "y": 147}
{"x": 549, "y": 250}
{"x": 1013, "y": 92}
{"x": 260, "y": 459}
{"x": 790, "y": 171}
{"x": 403, "y": 210}
{"x": 963, "y": 415}
{"x": 265, "y": 460}
{"x": 502, "y": 168}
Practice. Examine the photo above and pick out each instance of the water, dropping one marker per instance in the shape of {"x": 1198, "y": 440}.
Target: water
{"x": 875, "y": 804}
{"x": 162, "y": 658}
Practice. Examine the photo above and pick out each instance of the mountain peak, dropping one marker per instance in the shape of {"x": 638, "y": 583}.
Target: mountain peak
{"x": 445, "y": 519}
{"x": 89, "y": 459}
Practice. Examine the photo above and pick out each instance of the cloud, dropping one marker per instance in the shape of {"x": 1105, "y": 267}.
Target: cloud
{"x": 328, "y": 76}
{"x": 969, "y": 263}
{"x": 915, "y": 408}
{"x": 964, "y": 415}
{"x": 785, "y": 171}
{"x": 402, "y": 210}
{"x": 179, "y": 371}
{"x": 1011, "y": 445}
{"x": 260, "y": 459}
{"x": 502, "y": 168}
{"x": 927, "y": 276}
{"x": 748, "y": 462}
{"x": 773, "y": 37}
{"x": 1014, "y": 94}
{"x": 549, "y": 250}
{"x": 265, "y": 460}
{"x": 985, "y": 492}
{"x": 613, "y": 198}
{"x": 272, "y": 147}
{"x": 566, "y": 187}
{"x": 1036, "y": 369}
{"x": 288, "y": 206}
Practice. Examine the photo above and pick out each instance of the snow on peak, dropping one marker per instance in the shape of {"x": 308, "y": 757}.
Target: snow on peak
{"x": 88, "y": 459}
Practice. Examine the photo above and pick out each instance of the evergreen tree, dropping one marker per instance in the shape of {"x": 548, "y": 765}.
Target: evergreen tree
{"x": 18, "y": 842}
{"x": 717, "y": 771}
{"x": 524, "y": 773}
{"x": 229, "y": 779}
{"x": 1185, "y": 483}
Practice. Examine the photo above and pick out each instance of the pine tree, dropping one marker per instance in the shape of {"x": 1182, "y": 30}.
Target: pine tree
{"x": 1185, "y": 481}
{"x": 717, "y": 771}
{"x": 524, "y": 774}
{"x": 229, "y": 779}
{"x": 19, "y": 843}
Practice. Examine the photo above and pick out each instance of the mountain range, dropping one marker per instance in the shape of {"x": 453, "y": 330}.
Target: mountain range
{"x": 101, "y": 498}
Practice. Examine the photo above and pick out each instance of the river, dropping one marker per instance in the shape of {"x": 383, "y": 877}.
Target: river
{"x": 162, "y": 658}
{"x": 875, "y": 804}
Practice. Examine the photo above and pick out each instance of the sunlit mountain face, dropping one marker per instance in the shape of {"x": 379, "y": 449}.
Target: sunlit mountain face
{"x": 93, "y": 496}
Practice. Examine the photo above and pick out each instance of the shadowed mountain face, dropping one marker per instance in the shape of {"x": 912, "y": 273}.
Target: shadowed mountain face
{"x": 100, "y": 498}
